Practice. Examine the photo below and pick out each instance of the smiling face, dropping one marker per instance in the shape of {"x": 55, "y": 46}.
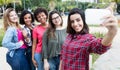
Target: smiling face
{"x": 56, "y": 19}
{"x": 42, "y": 18}
{"x": 13, "y": 18}
{"x": 28, "y": 19}
{"x": 76, "y": 22}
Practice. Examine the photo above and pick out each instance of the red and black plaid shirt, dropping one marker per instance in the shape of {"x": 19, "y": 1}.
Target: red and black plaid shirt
{"x": 75, "y": 51}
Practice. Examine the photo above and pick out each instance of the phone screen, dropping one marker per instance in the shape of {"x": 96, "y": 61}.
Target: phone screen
{"x": 95, "y": 16}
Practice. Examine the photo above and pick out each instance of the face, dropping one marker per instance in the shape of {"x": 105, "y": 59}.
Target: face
{"x": 13, "y": 17}
{"x": 76, "y": 22}
{"x": 42, "y": 18}
{"x": 28, "y": 19}
{"x": 56, "y": 19}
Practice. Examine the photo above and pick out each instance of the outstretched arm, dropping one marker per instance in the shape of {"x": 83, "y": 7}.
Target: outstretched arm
{"x": 111, "y": 24}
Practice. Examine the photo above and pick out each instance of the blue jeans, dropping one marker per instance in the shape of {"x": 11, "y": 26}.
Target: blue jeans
{"x": 29, "y": 58}
{"x": 54, "y": 62}
{"x": 39, "y": 61}
{"x": 18, "y": 61}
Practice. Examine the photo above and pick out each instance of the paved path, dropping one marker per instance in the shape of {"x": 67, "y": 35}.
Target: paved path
{"x": 3, "y": 63}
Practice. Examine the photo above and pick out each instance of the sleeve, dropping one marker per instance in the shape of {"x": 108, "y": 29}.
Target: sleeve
{"x": 96, "y": 45}
{"x": 29, "y": 42}
{"x": 62, "y": 52}
{"x": 8, "y": 40}
{"x": 45, "y": 46}
{"x": 34, "y": 33}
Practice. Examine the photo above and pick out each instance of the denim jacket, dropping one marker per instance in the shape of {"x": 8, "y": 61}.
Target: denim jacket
{"x": 10, "y": 40}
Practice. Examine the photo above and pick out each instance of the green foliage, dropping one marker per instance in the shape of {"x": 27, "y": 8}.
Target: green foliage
{"x": 98, "y": 34}
{"x": 102, "y": 5}
{"x": 94, "y": 57}
{"x": 32, "y": 4}
{"x": 1, "y": 35}
{"x": 3, "y": 2}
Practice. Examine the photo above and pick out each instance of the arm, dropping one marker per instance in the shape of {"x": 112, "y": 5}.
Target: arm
{"x": 101, "y": 45}
{"x": 33, "y": 52}
{"x": 8, "y": 38}
{"x": 60, "y": 65}
{"x": 46, "y": 64}
{"x": 34, "y": 46}
{"x": 44, "y": 51}
{"x": 111, "y": 24}
{"x": 27, "y": 39}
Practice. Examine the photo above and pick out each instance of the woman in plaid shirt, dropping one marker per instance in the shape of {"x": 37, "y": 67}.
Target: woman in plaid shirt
{"x": 79, "y": 43}
{"x": 27, "y": 20}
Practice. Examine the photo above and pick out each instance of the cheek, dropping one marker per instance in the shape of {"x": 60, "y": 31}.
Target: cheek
{"x": 10, "y": 18}
{"x": 45, "y": 17}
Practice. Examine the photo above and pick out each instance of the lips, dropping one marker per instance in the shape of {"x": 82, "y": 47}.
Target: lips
{"x": 78, "y": 27}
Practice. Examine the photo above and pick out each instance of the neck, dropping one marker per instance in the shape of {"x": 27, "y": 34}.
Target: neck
{"x": 59, "y": 27}
{"x": 15, "y": 25}
{"x": 30, "y": 26}
{"x": 44, "y": 24}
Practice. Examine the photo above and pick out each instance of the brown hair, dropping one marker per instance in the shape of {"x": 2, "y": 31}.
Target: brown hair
{"x": 51, "y": 29}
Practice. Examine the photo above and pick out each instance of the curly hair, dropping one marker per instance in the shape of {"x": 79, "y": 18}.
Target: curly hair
{"x": 40, "y": 10}
{"x": 22, "y": 22}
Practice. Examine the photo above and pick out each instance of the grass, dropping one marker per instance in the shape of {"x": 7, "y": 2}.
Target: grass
{"x": 1, "y": 35}
{"x": 96, "y": 56}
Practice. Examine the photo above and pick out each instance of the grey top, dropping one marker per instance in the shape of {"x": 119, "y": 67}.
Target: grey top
{"x": 51, "y": 47}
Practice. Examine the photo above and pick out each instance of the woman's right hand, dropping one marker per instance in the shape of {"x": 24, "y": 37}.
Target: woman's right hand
{"x": 21, "y": 42}
{"x": 24, "y": 32}
{"x": 46, "y": 65}
{"x": 34, "y": 62}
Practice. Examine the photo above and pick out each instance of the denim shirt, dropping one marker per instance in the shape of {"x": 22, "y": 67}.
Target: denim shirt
{"x": 10, "y": 40}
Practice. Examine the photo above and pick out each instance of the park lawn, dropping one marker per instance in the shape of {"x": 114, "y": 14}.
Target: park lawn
{"x": 95, "y": 56}
{"x": 1, "y": 36}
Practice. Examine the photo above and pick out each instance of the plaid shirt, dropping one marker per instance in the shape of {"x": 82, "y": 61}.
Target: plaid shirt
{"x": 29, "y": 32}
{"x": 75, "y": 51}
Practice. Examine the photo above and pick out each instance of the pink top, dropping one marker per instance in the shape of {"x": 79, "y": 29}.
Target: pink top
{"x": 38, "y": 32}
{"x": 20, "y": 37}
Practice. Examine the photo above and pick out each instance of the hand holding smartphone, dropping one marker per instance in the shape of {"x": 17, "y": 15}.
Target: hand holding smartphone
{"x": 96, "y": 16}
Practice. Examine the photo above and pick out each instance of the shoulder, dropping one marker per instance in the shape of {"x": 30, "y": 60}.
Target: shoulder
{"x": 68, "y": 36}
{"x": 89, "y": 37}
{"x": 36, "y": 27}
{"x": 11, "y": 28}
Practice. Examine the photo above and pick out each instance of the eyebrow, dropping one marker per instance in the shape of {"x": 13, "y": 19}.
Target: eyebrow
{"x": 75, "y": 19}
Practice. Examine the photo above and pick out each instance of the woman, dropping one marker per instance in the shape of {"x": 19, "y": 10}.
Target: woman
{"x": 13, "y": 40}
{"x": 27, "y": 19}
{"x": 79, "y": 43}
{"x": 53, "y": 39}
{"x": 41, "y": 16}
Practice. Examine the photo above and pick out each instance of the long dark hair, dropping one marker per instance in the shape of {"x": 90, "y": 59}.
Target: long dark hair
{"x": 70, "y": 30}
{"x": 51, "y": 29}
{"x": 23, "y": 14}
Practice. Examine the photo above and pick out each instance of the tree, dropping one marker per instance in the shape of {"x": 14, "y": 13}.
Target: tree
{"x": 4, "y": 3}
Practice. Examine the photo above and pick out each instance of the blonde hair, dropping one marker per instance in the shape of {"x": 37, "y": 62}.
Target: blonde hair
{"x": 6, "y": 19}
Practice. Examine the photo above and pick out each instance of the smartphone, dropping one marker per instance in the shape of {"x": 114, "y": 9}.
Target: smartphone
{"x": 95, "y": 16}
